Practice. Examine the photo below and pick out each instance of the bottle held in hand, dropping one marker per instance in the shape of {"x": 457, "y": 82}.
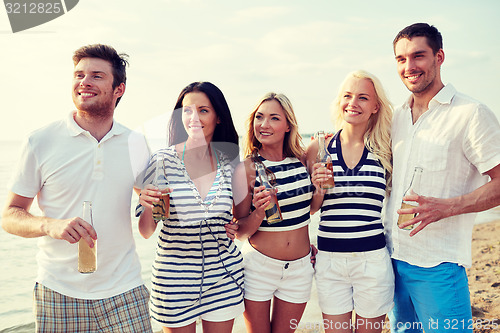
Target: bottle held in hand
{"x": 161, "y": 209}
{"x": 325, "y": 158}
{"x": 87, "y": 256}
{"x": 413, "y": 188}
{"x": 273, "y": 211}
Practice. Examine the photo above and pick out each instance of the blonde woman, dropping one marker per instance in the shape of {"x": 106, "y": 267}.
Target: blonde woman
{"x": 277, "y": 265}
{"x": 353, "y": 268}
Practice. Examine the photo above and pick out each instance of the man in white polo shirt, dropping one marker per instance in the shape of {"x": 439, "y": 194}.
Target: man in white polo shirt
{"x": 456, "y": 141}
{"x": 85, "y": 157}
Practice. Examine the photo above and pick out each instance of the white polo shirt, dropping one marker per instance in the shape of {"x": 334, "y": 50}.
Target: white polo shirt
{"x": 455, "y": 142}
{"x": 65, "y": 166}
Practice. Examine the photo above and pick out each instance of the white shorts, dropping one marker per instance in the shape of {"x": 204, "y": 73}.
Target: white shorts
{"x": 224, "y": 314}
{"x": 361, "y": 281}
{"x": 216, "y": 316}
{"x": 265, "y": 277}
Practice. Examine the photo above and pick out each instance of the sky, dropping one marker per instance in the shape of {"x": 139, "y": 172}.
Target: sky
{"x": 303, "y": 49}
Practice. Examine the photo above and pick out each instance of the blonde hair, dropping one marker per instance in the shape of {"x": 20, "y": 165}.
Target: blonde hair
{"x": 292, "y": 145}
{"x": 378, "y": 133}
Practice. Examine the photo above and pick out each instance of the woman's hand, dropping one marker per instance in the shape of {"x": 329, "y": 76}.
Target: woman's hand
{"x": 231, "y": 229}
{"x": 314, "y": 251}
{"x": 261, "y": 198}
{"x": 320, "y": 175}
{"x": 150, "y": 194}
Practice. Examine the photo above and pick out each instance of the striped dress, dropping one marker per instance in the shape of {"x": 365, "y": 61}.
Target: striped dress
{"x": 351, "y": 211}
{"x": 197, "y": 269}
{"x": 294, "y": 194}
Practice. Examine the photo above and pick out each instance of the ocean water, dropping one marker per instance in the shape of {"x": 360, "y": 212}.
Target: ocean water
{"x": 17, "y": 260}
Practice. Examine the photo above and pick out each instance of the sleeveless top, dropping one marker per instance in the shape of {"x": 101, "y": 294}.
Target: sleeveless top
{"x": 351, "y": 211}
{"x": 197, "y": 268}
{"x": 295, "y": 192}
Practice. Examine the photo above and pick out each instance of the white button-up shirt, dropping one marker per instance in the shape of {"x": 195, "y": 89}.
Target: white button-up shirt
{"x": 455, "y": 142}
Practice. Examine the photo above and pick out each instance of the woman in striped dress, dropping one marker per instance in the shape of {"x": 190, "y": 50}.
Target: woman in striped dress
{"x": 277, "y": 256}
{"x": 198, "y": 270}
{"x": 353, "y": 268}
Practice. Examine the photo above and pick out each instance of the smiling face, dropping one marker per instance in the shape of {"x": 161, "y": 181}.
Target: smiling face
{"x": 358, "y": 102}
{"x": 418, "y": 66}
{"x": 270, "y": 123}
{"x": 198, "y": 116}
{"x": 93, "y": 91}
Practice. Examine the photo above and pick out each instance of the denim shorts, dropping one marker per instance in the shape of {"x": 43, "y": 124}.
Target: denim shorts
{"x": 434, "y": 299}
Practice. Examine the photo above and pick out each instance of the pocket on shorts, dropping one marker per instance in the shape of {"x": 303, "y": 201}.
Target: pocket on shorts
{"x": 250, "y": 262}
{"x": 379, "y": 265}
{"x": 322, "y": 265}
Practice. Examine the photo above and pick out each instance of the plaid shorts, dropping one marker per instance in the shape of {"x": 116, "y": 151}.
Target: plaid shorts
{"x": 127, "y": 312}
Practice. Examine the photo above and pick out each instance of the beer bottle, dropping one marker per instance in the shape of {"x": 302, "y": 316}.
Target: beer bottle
{"x": 87, "y": 256}
{"x": 415, "y": 189}
{"x": 273, "y": 211}
{"x": 161, "y": 209}
{"x": 325, "y": 158}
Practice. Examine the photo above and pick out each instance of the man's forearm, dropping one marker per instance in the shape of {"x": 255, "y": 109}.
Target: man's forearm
{"x": 483, "y": 198}
{"x": 18, "y": 221}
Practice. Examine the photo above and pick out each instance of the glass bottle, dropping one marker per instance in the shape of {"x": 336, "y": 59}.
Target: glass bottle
{"x": 273, "y": 211}
{"x": 161, "y": 209}
{"x": 325, "y": 158}
{"x": 87, "y": 256}
{"x": 414, "y": 188}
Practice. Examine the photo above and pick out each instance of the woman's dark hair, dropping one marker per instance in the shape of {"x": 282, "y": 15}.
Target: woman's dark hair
{"x": 225, "y": 137}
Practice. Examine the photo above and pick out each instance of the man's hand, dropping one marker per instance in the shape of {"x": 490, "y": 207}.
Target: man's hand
{"x": 429, "y": 210}
{"x": 70, "y": 230}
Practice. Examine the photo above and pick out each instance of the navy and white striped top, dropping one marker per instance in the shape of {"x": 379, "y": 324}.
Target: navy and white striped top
{"x": 294, "y": 194}
{"x": 197, "y": 268}
{"x": 351, "y": 211}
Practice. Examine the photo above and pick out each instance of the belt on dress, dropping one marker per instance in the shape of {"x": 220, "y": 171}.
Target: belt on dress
{"x": 219, "y": 255}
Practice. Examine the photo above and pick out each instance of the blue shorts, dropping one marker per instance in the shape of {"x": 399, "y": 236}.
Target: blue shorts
{"x": 434, "y": 299}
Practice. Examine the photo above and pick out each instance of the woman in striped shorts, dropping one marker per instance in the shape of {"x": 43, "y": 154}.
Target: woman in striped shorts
{"x": 277, "y": 255}
{"x": 198, "y": 270}
{"x": 353, "y": 268}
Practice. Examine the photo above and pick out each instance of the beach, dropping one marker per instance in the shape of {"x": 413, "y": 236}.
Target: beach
{"x": 18, "y": 260}
{"x": 484, "y": 281}
{"x": 484, "y": 276}
{"x": 484, "y": 285}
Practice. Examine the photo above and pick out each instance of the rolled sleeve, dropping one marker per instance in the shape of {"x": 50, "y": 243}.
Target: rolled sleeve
{"x": 482, "y": 140}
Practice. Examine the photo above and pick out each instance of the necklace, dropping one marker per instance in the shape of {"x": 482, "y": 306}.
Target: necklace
{"x": 206, "y": 205}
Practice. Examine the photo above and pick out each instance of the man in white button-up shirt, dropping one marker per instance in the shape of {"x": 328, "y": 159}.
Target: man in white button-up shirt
{"x": 456, "y": 141}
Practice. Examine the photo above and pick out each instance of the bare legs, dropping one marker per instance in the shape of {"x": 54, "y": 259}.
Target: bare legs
{"x": 208, "y": 327}
{"x": 343, "y": 324}
{"x": 284, "y": 315}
